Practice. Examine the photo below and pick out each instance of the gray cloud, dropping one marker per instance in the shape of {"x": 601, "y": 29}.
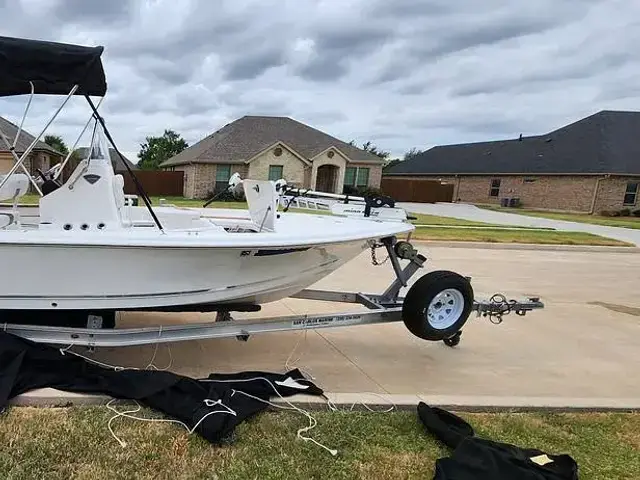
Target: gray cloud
{"x": 253, "y": 64}
{"x": 336, "y": 46}
{"x": 91, "y": 12}
{"x": 402, "y": 73}
{"x": 575, "y": 69}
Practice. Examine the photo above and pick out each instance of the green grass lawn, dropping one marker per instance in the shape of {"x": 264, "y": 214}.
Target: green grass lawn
{"x": 496, "y": 235}
{"x": 625, "y": 222}
{"x": 424, "y": 219}
{"x": 74, "y": 443}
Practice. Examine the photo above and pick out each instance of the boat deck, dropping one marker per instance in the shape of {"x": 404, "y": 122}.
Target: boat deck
{"x": 210, "y": 227}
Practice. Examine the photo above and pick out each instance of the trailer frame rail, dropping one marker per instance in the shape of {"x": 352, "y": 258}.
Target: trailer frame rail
{"x": 380, "y": 309}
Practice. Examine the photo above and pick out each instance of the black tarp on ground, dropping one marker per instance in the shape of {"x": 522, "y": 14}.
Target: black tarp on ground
{"x": 54, "y": 68}
{"x": 475, "y": 458}
{"x": 26, "y": 365}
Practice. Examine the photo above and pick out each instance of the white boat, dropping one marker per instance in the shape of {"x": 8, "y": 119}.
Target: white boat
{"x": 87, "y": 251}
{"x": 85, "y": 247}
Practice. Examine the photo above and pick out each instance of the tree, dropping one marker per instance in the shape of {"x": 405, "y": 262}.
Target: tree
{"x": 158, "y": 149}
{"x": 414, "y": 152}
{"x": 390, "y": 163}
{"x": 371, "y": 148}
{"x": 56, "y": 142}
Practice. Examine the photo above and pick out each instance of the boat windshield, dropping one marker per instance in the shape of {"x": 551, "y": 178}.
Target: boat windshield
{"x": 99, "y": 147}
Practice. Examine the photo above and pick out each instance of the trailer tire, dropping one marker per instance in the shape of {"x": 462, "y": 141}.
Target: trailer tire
{"x": 437, "y": 305}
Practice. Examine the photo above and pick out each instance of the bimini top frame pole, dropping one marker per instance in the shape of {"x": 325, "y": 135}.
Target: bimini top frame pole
{"x": 141, "y": 191}
{"x": 50, "y": 68}
{"x": 12, "y": 147}
{"x": 26, "y": 153}
{"x": 72, "y": 149}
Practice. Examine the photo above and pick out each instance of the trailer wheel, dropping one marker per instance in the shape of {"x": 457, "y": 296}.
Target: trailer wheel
{"x": 437, "y": 305}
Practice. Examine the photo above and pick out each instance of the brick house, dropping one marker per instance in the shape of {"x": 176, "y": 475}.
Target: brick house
{"x": 42, "y": 156}
{"x": 270, "y": 148}
{"x": 587, "y": 166}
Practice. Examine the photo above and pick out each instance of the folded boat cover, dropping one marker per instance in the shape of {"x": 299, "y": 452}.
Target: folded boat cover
{"x": 26, "y": 365}
{"x": 480, "y": 459}
{"x": 53, "y": 68}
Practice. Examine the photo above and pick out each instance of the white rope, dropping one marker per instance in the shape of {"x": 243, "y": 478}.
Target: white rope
{"x": 289, "y": 365}
{"x": 117, "y": 368}
{"x": 150, "y": 366}
{"x": 127, "y": 413}
{"x": 312, "y": 421}
{"x": 155, "y": 352}
{"x": 332, "y": 406}
{"x": 211, "y": 403}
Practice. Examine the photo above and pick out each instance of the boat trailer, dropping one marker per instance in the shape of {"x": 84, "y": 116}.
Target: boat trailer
{"x": 435, "y": 308}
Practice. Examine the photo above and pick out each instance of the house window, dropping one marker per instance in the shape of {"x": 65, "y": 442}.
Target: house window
{"x": 275, "y": 172}
{"x": 356, "y": 176}
{"x": 362, "y": 178}
{"x": 223, "y": 173}
{"x": 350, "y": 176}
{"x": 495, "y": 187}
{"x": 631, "y": 193}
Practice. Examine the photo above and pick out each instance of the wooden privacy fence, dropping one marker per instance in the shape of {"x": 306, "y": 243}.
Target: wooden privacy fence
{"x": 155, "y": 182}
{"x": 416, "y": 190}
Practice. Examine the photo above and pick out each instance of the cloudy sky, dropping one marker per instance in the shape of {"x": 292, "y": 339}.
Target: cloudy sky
{"x": 401, "y": 73}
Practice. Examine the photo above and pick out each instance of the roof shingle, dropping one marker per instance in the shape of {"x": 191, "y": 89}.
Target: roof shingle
{"x": 242, "y": 139}
{"x": 607, "y": 142}
{"x": 24, "y": 140}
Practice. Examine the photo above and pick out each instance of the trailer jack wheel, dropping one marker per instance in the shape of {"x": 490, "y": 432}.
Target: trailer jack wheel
{"x": 437, "y": 306}
{"x": 454, "y": 340}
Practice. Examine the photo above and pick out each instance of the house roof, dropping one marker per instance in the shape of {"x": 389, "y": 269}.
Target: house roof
{"x": 607, "y": 142}
{"x": 116, "y": 161}
{"x": 25, "y": 139}
{"x": 239, "y": 141}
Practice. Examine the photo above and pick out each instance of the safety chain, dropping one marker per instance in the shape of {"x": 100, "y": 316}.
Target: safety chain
{"x": 499, "y": 306}
{"x": 374, "y": 259}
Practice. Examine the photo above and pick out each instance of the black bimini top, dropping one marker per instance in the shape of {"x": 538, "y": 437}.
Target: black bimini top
{"x": 54, "y": 68}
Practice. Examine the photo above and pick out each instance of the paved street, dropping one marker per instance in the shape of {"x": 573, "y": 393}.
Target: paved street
{"x": 471, "y": 212}
{"x": 585, "y": 343}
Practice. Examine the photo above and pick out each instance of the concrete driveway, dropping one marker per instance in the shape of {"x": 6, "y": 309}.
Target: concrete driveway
{"x": 584, "y": 345}
{"x": 471, "y": 212}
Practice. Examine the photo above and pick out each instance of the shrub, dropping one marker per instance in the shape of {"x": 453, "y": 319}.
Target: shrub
{"x": 360, "y": 191}
{"x": 224, "y": 196}
{"x": 368, "y": 191}
{"x": 625, "y": 212}
{"x": 607, "y": 213}
{"x": 636, "y": 213}
{"x": 349, "y": 190}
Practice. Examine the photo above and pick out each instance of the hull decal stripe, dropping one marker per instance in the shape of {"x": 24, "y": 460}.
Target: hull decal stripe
{"x": 280, "y": 251}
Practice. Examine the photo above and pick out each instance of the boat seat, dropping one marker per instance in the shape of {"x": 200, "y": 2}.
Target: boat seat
{"x": 16, "y": 187}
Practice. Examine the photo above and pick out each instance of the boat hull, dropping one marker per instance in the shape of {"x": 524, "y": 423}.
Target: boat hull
{"x": 85, "y": 277}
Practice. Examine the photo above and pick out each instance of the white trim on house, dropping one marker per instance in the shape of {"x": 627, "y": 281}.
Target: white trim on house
{"x": 332, "y": 147}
